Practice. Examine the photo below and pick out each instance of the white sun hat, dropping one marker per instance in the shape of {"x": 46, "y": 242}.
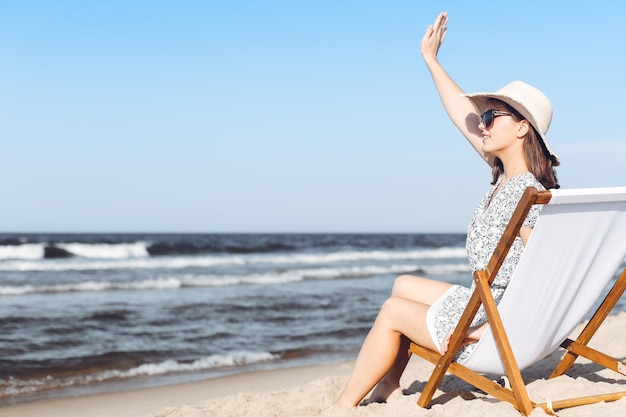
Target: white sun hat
{"x": 529, "y": 102}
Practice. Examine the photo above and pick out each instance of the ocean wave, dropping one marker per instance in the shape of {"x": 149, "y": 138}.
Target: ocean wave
{"x": 24, "y": 251}
{"x": 37, "y": 251}
{"x": 159, "y": 283}
{"x": 241, "y": 358}
{"x": 13, "y": 386}
{"x": 354, "y": 256}
{"x": 268, "y": 278}
{"x": 106, "y": 250}
{"x": 178, "y": 262}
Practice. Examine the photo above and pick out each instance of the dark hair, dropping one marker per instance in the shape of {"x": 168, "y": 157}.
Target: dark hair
{"x": 538, "y": 159}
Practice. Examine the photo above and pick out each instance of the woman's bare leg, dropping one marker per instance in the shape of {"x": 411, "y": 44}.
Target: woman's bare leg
{"x": 425, "y": 291}
{"x": 389, "y": 385}
{"x": 420, "y": 289}
{"x": 381, "y": 351}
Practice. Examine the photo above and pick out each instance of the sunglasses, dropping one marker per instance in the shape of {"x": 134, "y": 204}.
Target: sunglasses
{"x": 488, "y": 117}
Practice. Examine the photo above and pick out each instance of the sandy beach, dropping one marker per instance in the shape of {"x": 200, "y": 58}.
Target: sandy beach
{"x": 309, "y": 391}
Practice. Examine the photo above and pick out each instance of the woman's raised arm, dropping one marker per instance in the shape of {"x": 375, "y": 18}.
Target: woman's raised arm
{"x": 461, "y": 110}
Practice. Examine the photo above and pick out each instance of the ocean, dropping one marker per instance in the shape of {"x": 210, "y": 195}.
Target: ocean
{"x": 90, "y": 313}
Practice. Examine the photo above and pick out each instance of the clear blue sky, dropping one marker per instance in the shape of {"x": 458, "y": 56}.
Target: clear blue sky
{"x": 284, "y": 116}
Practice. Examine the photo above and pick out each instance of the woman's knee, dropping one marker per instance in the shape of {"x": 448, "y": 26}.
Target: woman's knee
{"x": 401, "y": 285}
{"x": 391, "y": 308}
{"x": 409, "y": 286}
{"x": 403, "y": 317}
{"x": 420, "y": 289}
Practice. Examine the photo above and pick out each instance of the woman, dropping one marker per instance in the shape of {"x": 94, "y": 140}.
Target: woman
{"x": 507, "y": 129}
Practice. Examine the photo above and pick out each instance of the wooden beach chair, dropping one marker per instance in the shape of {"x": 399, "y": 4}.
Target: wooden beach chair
{"x": 573, "y": 254}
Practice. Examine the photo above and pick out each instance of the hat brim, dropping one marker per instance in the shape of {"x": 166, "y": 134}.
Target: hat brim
{"x": 481, "y": 99}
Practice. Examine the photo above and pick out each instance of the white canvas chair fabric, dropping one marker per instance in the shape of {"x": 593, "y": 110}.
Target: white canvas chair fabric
{"x": 578, "y": 243}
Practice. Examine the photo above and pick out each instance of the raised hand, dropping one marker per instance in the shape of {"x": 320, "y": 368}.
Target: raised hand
{"x": 434, "y": 36}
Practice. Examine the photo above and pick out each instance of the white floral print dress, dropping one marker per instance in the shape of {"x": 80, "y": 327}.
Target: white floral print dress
{"x": 483, "y": 234}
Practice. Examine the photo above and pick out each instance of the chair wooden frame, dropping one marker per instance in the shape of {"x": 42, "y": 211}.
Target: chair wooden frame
{"x": 517, "y": 395}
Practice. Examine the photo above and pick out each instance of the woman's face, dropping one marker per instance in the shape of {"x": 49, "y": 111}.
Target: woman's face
{"x": 502, "y": 135}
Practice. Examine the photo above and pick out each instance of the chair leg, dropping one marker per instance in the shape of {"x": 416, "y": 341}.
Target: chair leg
{"x": 473, "y": 378}
{"x": 522, "y": 399}
{"x": 594, "y": 324}
{"x": 443, "y": 362}
{"x": 594, "y": 355}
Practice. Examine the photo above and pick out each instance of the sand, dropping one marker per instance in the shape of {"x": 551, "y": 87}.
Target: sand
{"x": 309, "y": 391}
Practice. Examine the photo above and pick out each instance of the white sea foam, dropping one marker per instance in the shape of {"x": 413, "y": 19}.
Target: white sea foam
{"x": 354, "y": 256}
{"x": 18, "y": 290}
{"x": 241, "y": 358}
{"x": 12, "y": 386}
{"x": 35, "y": 251}
{"x": 106, "y": 264}
{"x": 178, "y": 262}
{"x": 25, "y": 251}
{"x": 86, "y": 286}
{"x": 106, "y": 250}
{"x": 269, "y": 278}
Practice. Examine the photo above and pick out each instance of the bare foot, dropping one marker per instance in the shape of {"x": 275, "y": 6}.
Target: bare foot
{"x": 340, "y": 404}
{"x": 384, "y": 393}
{"x": 473, "y": 335}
